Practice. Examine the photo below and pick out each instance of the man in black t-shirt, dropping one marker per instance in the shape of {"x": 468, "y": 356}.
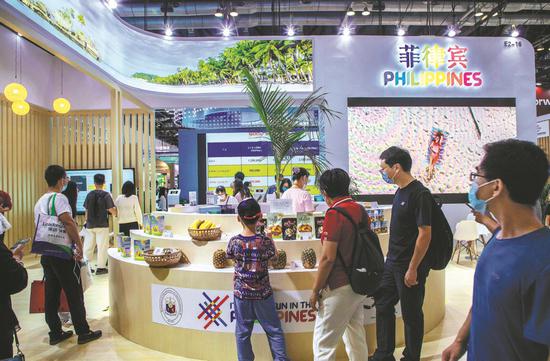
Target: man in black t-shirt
{"x": 405, "y": 270}
{"x": 98, "y": 205}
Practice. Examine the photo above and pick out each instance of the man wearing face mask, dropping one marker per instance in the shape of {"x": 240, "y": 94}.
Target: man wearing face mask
{"x": 405, "y": 271}
{"x": 510, "y": 315}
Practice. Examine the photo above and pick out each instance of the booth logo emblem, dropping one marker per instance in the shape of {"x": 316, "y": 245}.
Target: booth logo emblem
{"x": 171, "y": 306}
{"x": 211, "y": 310}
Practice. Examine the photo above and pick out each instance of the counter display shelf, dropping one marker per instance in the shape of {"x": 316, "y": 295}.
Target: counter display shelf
{"x": 187, "y": 310}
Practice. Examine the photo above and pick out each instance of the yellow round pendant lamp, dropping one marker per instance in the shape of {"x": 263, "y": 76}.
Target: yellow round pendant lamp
{"x": 61, "y": 105}
{"x": 20, "y": 107}
{"x": 15, "y": 92}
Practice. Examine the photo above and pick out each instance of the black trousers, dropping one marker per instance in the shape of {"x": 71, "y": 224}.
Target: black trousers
{"x": 126, "y": 227}
{"x": 63, "y": 274}
{"x": 6, "y": 343}
{"x": 392, "y": 289}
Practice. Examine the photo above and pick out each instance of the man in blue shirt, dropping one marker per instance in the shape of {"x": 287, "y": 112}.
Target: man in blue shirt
{"x": 510, "y": 315}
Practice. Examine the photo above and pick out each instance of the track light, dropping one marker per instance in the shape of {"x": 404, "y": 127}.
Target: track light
{"x": 451, "y": 33}
{"x": 350, "y": 12}
{"x": 365, "y": 11}
{"x": 479, "y": 13}
{"x": 226, "y": 31}
{"x": 515, "y": 32}
{"x": 218, "y": 13}
{"x": 290, "y": 31}
{"x": 168, "y": 31}
{"x": 540, "y": 49}
{"x": 346, "y": 31}
{"x": 401, "y": 31}
{"x": 112, "y": 4}
{"x": 234, "y": 13}
{"x": 538, "y": 84}
{"x": 495, "y": 14}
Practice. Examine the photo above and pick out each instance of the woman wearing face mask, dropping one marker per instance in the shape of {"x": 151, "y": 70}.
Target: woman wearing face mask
{"x": 301, "y": 199}
{"x": 285, "y": 185}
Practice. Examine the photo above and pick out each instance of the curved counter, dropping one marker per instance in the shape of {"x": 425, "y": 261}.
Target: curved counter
{"x": 187, "y": 310}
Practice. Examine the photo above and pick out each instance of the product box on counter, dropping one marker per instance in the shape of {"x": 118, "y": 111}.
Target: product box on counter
{"x": 125, "y": 246}
{"x": 275, "y": 225}
{"x": 119, "y": 242}
{"x": 140, "y": 247}
{"x": 147, "y": 223}
{"x": 306, "y": 223}
{"x": 290, "y": 228}
{"x": 319, "y": 220}
{"x": 157, "y": 225}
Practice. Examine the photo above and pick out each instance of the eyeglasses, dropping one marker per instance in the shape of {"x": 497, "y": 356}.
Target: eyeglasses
{"x": 474, "y": 176}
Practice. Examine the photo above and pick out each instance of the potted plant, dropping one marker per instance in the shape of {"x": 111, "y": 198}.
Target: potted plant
{"x": 288, "y": 122}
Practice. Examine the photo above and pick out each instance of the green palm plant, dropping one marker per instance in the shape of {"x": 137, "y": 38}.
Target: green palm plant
{"x": 288, "y": 123}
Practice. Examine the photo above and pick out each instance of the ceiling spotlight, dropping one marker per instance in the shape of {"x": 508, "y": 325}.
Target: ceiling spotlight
{"x": 401, "y": 31}
{"x": 495, "y": 14}
{"x": 234, "y": 13}
{"x": 350, "y": 12}
{"x": 226, "y": 32}
{"x": 540, "y": 49}
{"x": 112, "y": 4}
{"x": 479, "y": 13}
{"x": 19, "y": 34}
{"x": 515, "y": 32}
{"x": 290, "y": 31}
{"x": 365, "y": 12}
{"x": 451, "y": 33}
{"x": 218, "y": 13}
{"x": 484, "y": 17}
{"x": 346, "y": 31}
{"x": 168, "y": 31}
{"x": 538, "y": 84}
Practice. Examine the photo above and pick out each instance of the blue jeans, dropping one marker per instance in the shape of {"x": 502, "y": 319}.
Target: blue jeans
{"x": 246, "y": 312}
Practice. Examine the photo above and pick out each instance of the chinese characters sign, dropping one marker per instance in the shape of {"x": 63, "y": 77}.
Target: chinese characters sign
{"x": 433, "y": 65}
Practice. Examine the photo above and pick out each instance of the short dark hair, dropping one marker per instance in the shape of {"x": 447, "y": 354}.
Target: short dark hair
{"x": 53, "y": 174}
{"x": 128, "y": 189}
{"x": 396, "y": 155}
{"x": 221, "y": 189}
{"x": 298, "y": 173}
{"x": 522, "y": 166}
{"x": 163, "y": 191}
{"x": 249, "y": 211}
{"x": 99, "y": 179}
{"x": 239, "y": 175}
{"x": 335, "y": 183}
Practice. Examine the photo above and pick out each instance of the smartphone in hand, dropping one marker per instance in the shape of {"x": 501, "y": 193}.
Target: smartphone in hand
{"x": 21, "y": 242}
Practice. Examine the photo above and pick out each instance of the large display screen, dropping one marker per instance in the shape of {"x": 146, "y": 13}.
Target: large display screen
{"x": 84, "y": 179}
{"x": 251, "y": 153}
{"x": 444, "y": 136}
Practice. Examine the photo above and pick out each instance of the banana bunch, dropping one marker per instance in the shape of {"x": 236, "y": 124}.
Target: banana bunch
{"x": 202, "y": 224}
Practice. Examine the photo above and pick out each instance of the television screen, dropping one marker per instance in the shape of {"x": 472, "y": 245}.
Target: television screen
{"x": 444, "y": 136}
{"x": 84, "y": 179}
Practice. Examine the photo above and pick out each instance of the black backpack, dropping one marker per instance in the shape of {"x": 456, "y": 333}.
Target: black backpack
{"x": 367, "y": 266}
{"x": 441, "y": 246}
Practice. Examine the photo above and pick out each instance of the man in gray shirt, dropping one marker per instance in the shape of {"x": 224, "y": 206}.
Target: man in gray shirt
{"x": 98, "y": 205}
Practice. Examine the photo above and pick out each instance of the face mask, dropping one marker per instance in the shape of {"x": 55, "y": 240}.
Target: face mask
{"x": 285, "y": 189}
{"x": 387, "y": 178}
{"x": 479, "y": 205}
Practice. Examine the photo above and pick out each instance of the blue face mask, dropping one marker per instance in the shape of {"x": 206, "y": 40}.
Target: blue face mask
{"x": 285, "y": 189}
{"x": 479, "y": 205}
{"x": 386, "y": 177}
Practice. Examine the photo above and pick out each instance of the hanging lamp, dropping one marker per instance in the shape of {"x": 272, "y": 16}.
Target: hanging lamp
{"x": 61, "y": 105}
{"x": 20, "y": 107}
{"x": 16, "y": 91}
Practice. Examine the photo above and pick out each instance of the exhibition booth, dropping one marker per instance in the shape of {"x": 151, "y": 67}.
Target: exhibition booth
{"x": 441, "y": 98}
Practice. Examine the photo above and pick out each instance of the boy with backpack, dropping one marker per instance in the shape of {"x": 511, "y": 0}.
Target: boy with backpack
{"x": 337, "y": 299}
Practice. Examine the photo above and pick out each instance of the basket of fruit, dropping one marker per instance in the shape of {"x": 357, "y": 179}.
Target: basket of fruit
{"x": 169, "y": 257}
{"x": 202, "y": 230}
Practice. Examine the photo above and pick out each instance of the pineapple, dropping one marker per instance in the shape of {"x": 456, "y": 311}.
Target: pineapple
{"x": 279, "y": 261}
{"x": 219, "y": 260}
{"x": 309, "y": 259}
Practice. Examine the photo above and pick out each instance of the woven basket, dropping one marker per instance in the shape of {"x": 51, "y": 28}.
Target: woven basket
{"x": 163, "y": 260}
{"x": 210, "y": 234}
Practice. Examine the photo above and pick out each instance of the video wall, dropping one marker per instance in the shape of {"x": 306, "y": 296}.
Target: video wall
{"x": 84, "y": 179}
{"x": 250, "y": 152}
{"x": 444, "y": 136}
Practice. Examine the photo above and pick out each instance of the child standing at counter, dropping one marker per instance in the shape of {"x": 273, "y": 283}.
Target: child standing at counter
{"x": 253, "y": 296}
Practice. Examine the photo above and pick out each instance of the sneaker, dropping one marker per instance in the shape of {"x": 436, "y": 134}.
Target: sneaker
{"x": 61, "y": 337}
{"x": 89, "y": 337}
{"x": 101, "y": 271}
